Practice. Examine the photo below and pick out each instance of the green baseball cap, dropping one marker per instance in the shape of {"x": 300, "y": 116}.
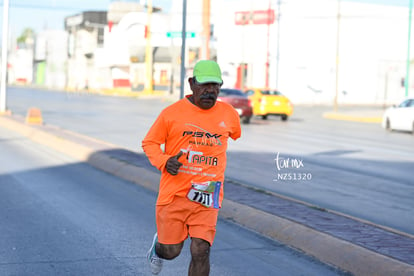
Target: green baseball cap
{"x": 207, "y": 71}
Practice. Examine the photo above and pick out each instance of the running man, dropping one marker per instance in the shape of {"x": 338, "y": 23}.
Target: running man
{"x": 194, "y": 133}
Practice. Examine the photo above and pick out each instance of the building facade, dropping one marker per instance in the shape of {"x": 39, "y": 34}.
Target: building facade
{"x": 315, "y": 52}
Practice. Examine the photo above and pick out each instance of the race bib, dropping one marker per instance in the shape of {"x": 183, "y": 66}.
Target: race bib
{"x": 206, "y": 193}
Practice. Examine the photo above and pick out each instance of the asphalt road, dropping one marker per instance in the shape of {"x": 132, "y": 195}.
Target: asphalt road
{"x": 354, "y": 168}
{"x": 62, "y": 217}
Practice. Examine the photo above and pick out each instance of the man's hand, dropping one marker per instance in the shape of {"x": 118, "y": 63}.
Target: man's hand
{"x": 173, "y": 164}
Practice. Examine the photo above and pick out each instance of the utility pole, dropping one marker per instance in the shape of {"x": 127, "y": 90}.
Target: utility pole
{"x": 278, "y": 44}
{"x": 268, "y": 45}
{"x": 4, "y": 50}
{"x": 205, "y": 49}
{"x": 407, "y": 74}
{"x": 183, "y": 36}
{"x": 337, "y": 56}
{"x": 148, "y": 52}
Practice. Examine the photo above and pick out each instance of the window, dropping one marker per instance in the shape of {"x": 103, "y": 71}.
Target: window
{"x": 249, "y": 92}
{"x": 230, "y": 92}
{"x": 405, "y": 103}
{"x": 271, "y": 92}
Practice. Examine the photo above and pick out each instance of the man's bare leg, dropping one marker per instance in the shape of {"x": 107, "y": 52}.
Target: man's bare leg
{"x": 200, "y": 258}
{"x": 168, "y": 251}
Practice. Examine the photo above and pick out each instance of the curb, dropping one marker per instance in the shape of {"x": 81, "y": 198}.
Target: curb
{"x": 326, "y": 248}
{"x": 344, "y": 117}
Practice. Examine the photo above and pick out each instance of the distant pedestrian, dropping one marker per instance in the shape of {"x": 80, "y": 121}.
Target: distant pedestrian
{"x": 194, "y": 132}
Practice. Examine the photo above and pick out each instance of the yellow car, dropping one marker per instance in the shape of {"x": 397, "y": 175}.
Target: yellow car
{"x": 266, "y": 101}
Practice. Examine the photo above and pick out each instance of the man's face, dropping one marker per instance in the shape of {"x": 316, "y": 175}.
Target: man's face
{"x": 204, "y": 95}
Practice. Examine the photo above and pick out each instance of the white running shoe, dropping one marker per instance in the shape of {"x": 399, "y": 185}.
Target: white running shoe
{"x": 153, "y": 259}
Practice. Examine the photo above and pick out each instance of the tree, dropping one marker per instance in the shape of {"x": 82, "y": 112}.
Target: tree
{"x": 26, "y": 37}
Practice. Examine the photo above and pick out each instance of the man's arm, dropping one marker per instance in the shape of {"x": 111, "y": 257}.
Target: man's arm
{"x": 152, "y": 142}
{"x": 236, "y": 128}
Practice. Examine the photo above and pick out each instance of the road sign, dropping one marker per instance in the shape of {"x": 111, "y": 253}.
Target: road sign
{"x": 255, "y": 17}
{"x": 179, "y": 34}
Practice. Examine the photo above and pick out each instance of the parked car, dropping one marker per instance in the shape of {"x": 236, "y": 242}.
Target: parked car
{"x": 239, "y": 101}
{"x": 400, "y": 117}
{"x": 267, "y": 101}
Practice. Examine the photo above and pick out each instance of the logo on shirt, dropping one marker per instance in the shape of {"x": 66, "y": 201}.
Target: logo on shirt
{"x": 202, "y": 136}
{"x": 197, "y": 157}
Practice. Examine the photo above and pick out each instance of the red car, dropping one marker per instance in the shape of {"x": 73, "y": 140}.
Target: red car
{"x": 239, "y": 101}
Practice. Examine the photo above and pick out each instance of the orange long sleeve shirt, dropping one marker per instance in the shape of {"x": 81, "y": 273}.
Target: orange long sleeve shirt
{"x": 201, "y": 135}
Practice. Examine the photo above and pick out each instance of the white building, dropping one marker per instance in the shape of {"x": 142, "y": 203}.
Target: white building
{"x": 292, "y": 45}
{"x": 50, "y": 59}
{"x": 372, "y": 49}
{"x": 20, "y": 67}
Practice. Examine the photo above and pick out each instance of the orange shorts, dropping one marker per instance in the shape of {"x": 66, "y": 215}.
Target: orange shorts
{"x": 182, "y": 217}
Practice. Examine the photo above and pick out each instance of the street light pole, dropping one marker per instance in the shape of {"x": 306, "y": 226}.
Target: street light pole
{"x": 148, "y": 52}
{"x": 4, "y": 51}
{"x": 337, "y": 56}
{"x": 183, "y": 36}
{"x": 407, "y": 76}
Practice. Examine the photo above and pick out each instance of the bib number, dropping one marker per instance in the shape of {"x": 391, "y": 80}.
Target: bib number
{"x": 205, "y": 193}
{"x": 203, "y": 198}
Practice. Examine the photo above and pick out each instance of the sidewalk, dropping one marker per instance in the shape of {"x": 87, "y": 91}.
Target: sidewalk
{"x": 357, "y": 246}
{"x": 360, "y": 247}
